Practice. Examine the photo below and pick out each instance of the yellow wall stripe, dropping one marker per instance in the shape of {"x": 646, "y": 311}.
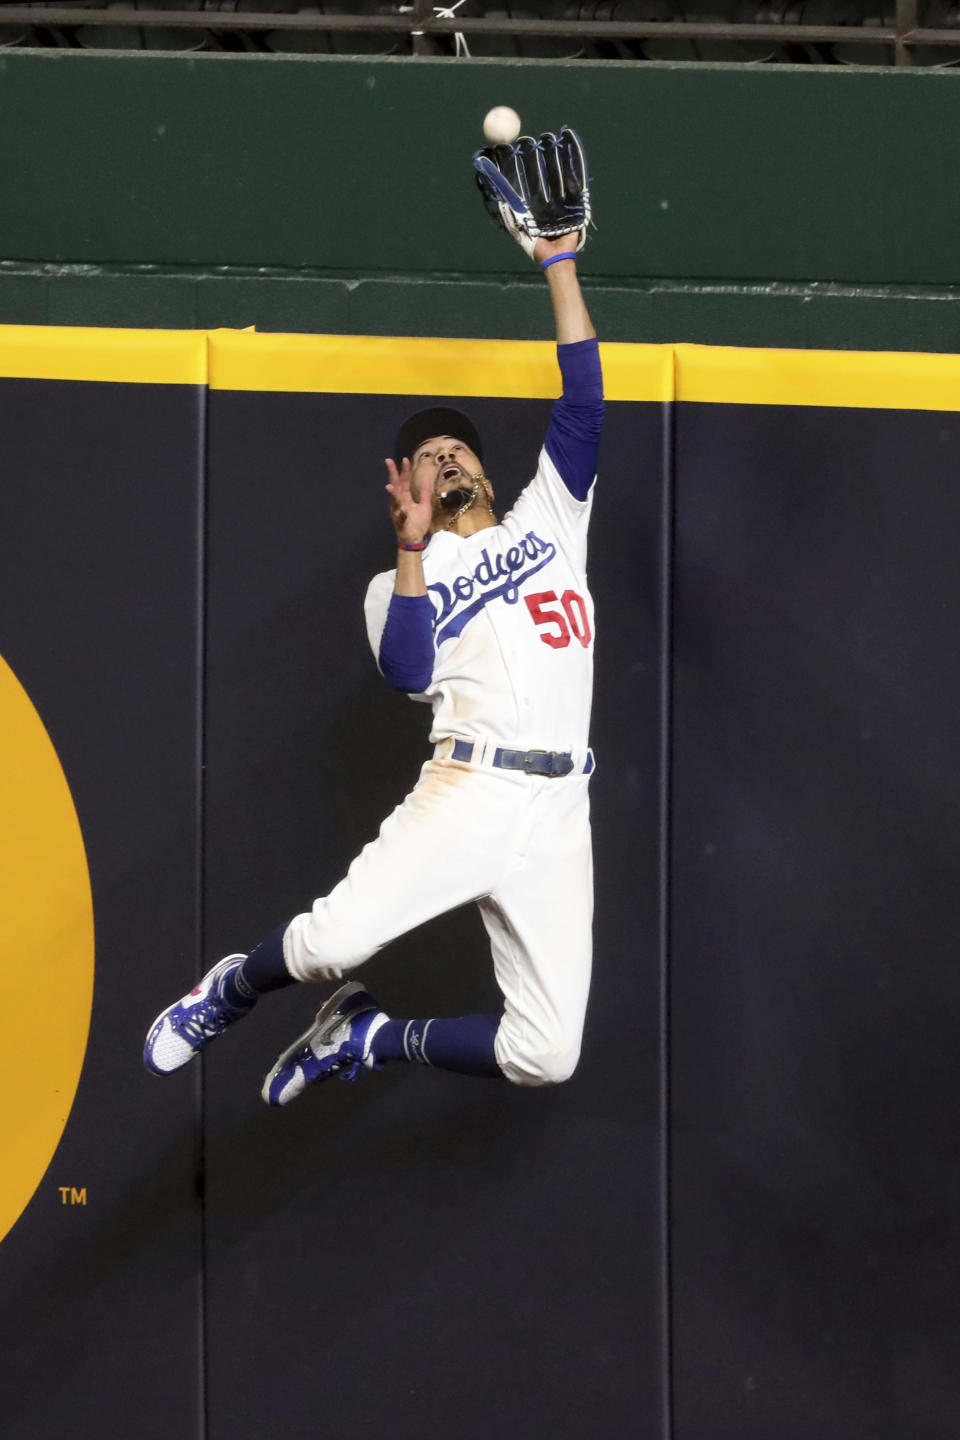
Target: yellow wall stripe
{"x": 58, "y": 352}
{"x": 637, "y": 372}
{"x": 379, "y": 365}
{"x": 385, "y": 365}
{"x": 836, "y": 378}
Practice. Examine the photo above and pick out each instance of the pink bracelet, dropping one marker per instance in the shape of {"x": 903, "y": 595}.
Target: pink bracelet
{"x": 422, "y": 545}
{"x": 552, "y": 259}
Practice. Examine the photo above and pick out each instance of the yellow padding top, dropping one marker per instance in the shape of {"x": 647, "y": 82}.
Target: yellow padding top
{"x": 59, "y": 352}
{"x": 855, "y": 379}
{"x": 379, "y": 365}
{"x": 637, "y": 372}
{"x": 523, "y": 369}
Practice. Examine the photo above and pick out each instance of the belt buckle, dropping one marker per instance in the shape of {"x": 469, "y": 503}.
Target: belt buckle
{"x": 528, "y": 759}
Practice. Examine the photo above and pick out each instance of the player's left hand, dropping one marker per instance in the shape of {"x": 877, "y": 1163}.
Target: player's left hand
{"x": 537, "y": 189}
{"x": 411, "y": 516}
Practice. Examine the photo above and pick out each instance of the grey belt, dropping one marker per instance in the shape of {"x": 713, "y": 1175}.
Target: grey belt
{"x": 530, "y": 762}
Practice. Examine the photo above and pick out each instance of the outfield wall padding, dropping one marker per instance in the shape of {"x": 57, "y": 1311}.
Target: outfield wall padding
{"x": 100, "y": 610}
{"x": 736, "y": 1219}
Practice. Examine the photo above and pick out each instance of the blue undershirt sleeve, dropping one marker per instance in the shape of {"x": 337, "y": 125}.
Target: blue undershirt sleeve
{"x": 406, "y": 647}
{"x": 573, "y": 435}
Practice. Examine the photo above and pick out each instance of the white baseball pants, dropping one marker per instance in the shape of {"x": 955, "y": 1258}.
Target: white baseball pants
{"x": 518, "y": 845}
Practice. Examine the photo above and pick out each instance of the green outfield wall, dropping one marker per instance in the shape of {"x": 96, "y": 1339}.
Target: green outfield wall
{"x": 804, "y": 207}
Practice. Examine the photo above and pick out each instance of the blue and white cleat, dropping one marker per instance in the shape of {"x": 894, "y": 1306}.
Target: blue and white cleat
{"x": 337, "y": 1043}
{"x": 183, "y": 1029}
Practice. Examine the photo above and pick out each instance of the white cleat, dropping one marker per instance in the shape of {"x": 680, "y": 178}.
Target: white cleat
{"x": 182, "y": 1030}
{"x": 337, "y": 1043}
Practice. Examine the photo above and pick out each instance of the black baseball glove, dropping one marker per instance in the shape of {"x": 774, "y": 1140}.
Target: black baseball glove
{"x": 537, "y": 188}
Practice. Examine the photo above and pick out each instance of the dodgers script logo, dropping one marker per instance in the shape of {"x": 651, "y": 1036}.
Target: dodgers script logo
{"x": 503, "y": 575}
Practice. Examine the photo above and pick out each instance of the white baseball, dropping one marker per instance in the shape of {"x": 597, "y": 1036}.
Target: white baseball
{"x": 501, "y": 125}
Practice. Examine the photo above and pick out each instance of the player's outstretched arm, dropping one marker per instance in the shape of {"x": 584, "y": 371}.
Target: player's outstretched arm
{"x": 569, "y": 307}
{"x": 539, "y": 192}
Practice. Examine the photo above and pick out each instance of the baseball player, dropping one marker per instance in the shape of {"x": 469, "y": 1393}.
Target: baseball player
{"x": 491, "y": 623}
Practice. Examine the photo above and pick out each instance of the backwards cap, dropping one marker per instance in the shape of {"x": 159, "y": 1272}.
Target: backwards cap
{"x": 425, "y": 424}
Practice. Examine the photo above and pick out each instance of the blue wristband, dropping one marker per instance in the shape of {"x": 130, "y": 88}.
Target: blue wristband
{"x": 552, "y": 259}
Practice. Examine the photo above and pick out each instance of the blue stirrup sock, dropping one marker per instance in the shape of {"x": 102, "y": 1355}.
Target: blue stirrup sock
{"x": 464, "y": 1045}
{"x": 263, "y": 970}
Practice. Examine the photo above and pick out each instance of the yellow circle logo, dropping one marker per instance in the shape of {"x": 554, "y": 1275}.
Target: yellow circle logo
{"x": 47, "y": 956}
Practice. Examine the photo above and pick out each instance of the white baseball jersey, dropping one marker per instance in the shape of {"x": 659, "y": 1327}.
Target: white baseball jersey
{"x": 513, "y": 623}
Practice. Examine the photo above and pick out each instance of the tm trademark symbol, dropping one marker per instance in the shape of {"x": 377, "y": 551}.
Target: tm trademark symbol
{"x": 70, "y": 1195}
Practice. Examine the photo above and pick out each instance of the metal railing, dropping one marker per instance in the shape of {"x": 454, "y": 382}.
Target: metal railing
{"x": 423, "y": 26}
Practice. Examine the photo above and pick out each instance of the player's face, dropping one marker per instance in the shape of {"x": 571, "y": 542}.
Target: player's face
{"x": 440, "y": 464}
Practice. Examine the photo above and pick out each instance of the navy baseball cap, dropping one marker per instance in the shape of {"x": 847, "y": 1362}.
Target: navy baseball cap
{"x": 424, "y": 424}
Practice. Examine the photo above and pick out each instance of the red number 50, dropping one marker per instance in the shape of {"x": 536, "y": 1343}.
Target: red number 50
{"x": 545, "y": 619}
